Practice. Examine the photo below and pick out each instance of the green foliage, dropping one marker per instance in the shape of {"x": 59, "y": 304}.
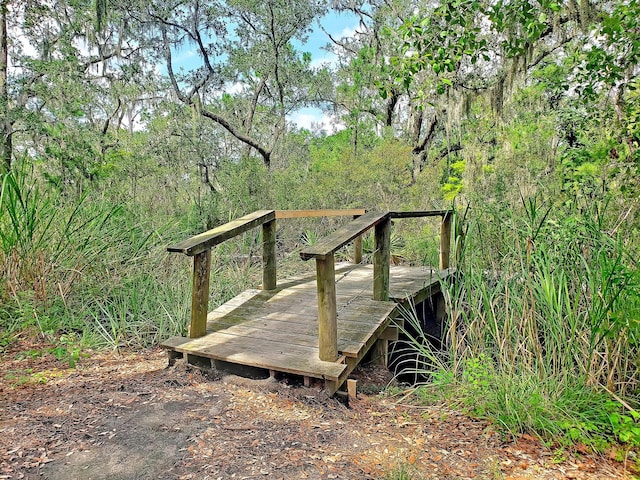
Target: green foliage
{"x": 543, "y": 333}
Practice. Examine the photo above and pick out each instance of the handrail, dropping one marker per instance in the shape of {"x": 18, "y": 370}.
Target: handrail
{"x": 420, "y": 213}
{"x": 343, "y": 235}
{"x": 324, "y": 251}
{"x": 344, "y": 212}
{"x": 199, "y": 247}
{"x": 204, "y": 241}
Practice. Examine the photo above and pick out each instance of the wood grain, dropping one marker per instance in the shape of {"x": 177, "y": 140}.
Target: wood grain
{"x": 206, "y": 240}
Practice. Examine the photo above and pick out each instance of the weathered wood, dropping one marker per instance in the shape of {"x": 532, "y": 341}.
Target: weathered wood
{"x": 445, "y": 241}
{"x": 381, "y": 259}
{"x": 277, "y": 330}
{"x": 204, "y": 241}
{"x": 357, "y": 247}
{"x": 262, "y": 353}
{"x": 380, "y": 352}
{"x": 392, "y": 332}
{"x": 419, "y": 213}
{"x": 269, "y": 255}
{"x": 343, "y": 235}
{"x": 319, "y": 213}
{"x": 200, "y": 294}
{"x": 327, "y": 313}
{"x": 352, "y": 388}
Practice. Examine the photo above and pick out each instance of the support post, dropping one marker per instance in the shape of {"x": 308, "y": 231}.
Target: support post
{"x": 269, "y": 255}
{"x": 357, "y": 247}
{"x": 327, "y": 313}
{"x": 200, "y": 294}
{"x": 380, "y": 352}
{"x": 445, "y": 241}
{"x": 381, "y": 259}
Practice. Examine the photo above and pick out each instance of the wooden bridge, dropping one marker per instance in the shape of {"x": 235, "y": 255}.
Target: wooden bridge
{"x": 317, "y": 327}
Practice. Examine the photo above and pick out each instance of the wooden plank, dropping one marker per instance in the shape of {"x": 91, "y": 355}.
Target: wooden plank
{"x": 269, "y": 255}
{"x": 419, "y": 213}
{"x": 263, "y": 354}
{"x": 327, "y": 313}
{"x": 381, "y": 259}
{"x": 445, "y": 241}
{"x": 351, "y": 318}
{"x": 348, "y": 326}
{"x": 343, "y": 235}
{"x": 174, "y": 342}
{"x": 288, "y": 337}
{"x": 206, "y": 240}
{"x": 319, "y": 213}
{"x": 302, "y": 303}
{"x": 200, "y": 294}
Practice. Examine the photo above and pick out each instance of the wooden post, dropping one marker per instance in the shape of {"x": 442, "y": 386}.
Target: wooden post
{"x": 352, "y": 388}
{"x": 269, "y": 255}
{"x": 327, "y": 313}
{"x": 200, "y": 294}
{"x": 381, "y": 259}
{"x": 380, "y": 352}
{"x": 445, "y": 240}
{"x": 357, "y": 247}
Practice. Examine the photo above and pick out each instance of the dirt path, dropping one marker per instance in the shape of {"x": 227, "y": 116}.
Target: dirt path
{"x": 130, "y": 417}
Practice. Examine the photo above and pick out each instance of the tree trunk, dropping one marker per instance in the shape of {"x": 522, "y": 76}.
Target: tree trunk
{"x": 6, "y": 147}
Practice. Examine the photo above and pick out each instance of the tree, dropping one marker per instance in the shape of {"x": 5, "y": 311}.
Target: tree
{"x": 246, "y": 74}
{"x": 6, "y": 126}
{"x": 74, "y": 86}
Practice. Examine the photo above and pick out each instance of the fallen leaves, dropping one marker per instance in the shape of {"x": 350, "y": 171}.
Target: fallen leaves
{"x": 243, "y": 429}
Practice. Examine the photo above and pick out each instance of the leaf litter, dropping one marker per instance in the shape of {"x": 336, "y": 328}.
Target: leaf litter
{"x": 126, "y": 416}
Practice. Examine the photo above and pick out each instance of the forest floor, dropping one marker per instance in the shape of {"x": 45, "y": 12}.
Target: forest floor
{"x": 127, "y": 416}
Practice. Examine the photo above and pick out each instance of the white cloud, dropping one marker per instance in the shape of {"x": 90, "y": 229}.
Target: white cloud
{"x": 315, "y": 120}
{"x": 329, "y": 59}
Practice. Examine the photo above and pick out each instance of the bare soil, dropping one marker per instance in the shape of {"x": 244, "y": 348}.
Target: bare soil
{"x": 129, "y": 416}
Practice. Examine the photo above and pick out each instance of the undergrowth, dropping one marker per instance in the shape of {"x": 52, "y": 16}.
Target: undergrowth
{"x": 543, "y": 328}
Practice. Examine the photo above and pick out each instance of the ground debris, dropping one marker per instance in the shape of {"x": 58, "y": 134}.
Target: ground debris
{"x": 129, "y": 416}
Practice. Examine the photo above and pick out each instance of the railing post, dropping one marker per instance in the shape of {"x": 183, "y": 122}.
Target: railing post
{"x": 445, "y": 241}
{"x": 200, "y": 294}
{"x": 327, "y": 313}
{"x": 381, "y": 259}
{"x": 269, "y": 255}
{"x": 357, "y": 247}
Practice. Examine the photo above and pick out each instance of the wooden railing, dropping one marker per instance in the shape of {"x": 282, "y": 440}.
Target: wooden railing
{"x": 199, "y": 247}
{"x": 324, "y": 251}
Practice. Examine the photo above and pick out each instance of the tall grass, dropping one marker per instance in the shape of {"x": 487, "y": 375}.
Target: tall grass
{"x": 86, "y": 266}
{"x": 544, "y": 323}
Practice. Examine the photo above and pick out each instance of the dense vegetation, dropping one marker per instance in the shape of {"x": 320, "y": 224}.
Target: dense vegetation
{"x": 523, "y": 115}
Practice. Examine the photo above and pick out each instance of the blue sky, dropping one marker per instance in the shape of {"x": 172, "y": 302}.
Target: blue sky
{"x": 338, "y": 25}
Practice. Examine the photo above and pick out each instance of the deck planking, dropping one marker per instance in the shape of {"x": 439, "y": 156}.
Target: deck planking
{"x": 277, "y": 330}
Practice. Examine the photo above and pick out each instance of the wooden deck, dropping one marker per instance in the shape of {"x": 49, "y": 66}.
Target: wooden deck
{"x": 277, "y": 330}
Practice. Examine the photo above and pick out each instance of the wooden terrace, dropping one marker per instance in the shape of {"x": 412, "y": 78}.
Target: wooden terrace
{"x": 316, "y": 326}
